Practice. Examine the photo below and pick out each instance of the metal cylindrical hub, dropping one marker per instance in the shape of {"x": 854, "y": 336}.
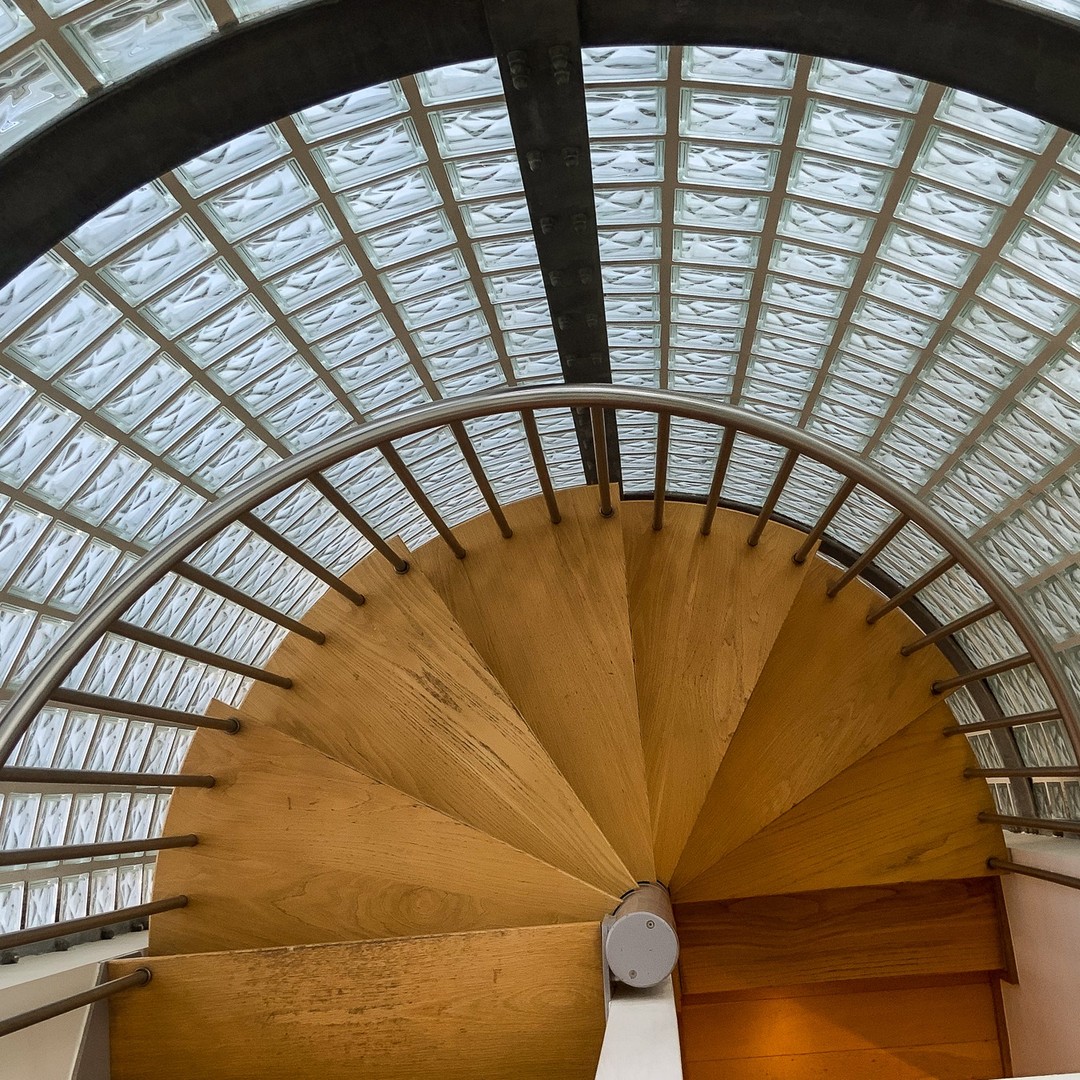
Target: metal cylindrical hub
{"x": 641, "y": 946}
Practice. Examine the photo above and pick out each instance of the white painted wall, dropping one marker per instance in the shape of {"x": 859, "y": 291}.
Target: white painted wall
{"x": 48, "y": 1051}
{"x": 1043, "y": 1011}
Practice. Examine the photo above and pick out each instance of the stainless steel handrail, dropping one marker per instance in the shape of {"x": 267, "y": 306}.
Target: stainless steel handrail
{"x": 109, "y": 608}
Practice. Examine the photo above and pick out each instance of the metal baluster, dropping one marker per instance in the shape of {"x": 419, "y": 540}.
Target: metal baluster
{"x": 350, "y": 514}
{"x": 949, "y": 628}
{"x": 773, "y": 497}
{"x": 16, "y": 774}
{"x": 1004, "y": 722}
{"x": 79, "y": 699}
{"x": 663, "y": 440}
{"x": 302, "y": 558}
{"x": 723, "y": 457}
{"x": 138, "y": 977}
{"x": 65, "y": 852}
{"x": 154, "y": 640}
{"x": 943, "y": 686}
{"x": 543, "y": 476}
{"x": 823, "y": 522}
{"x": 603, "y": 477}
{"x": 18, "y": 938}
{"x": 472, "y": 459}
{"x": 911, "y": 591}
{"x": 393, "y": 459}
{"x": 866, "y": 558}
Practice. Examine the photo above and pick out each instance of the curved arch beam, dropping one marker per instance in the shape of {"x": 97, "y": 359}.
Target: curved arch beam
{"x": 103, "y": 613}
{"x": 255, "y": 73}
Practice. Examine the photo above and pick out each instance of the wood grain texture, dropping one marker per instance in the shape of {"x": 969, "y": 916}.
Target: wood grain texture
{"x": 934, "y": 927}
{"x": 705, "y": 612}
{"x": 547, "y": 611}
{"x": 902, "y": 812}
{"x": 399, "y": 693}
{"x": 944, "y": 1061}
{"x": 832, "y": 689}
{"x": 295, "y": 848}
{"x": 501, "y": 1005}
{"x": 865, "y": 1020}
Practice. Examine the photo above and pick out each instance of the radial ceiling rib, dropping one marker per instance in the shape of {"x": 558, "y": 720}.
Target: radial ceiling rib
{"x": 295, "y": 848}
{"x": 501, "y": 1005}
{"x": 539, "y": 51}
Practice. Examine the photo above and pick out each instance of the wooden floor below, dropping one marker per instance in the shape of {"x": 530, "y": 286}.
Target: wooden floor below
{"x": 928, "y": 1028}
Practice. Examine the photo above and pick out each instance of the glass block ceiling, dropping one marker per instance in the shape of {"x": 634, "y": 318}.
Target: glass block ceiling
{"x": 891, "y": 265}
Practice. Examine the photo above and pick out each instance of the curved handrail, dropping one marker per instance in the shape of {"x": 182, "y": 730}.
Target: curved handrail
{"x": 108, "y": 609}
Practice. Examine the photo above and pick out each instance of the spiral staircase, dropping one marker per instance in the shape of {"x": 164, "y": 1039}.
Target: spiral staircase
{"x": 404, "y": 862}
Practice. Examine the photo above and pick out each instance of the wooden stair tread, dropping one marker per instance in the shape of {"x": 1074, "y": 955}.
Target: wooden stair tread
{"x": 295, "y": 848}
{"x": 832, "y": 689}
{"x": 863, "y": 933}
{"x": 496, "y": 1005}
{"x": 398, "y": 692}
{"x": 705, "y": 612}
{"x": 547, "y": 610}
{"x": 900, "y": 813}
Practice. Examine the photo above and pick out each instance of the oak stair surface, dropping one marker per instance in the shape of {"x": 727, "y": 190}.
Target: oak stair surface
{"x": 402, "y": 868}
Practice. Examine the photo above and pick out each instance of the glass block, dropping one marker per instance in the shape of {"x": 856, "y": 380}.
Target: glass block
{"x": 622, "y": 206}
{"x": 977, "y": 168}
{"x": 226, "y": 331}
{"x": 694, "y": 281}
{"x": 862, "y": 83}
{"x": 408, "y": 239}
{"x": 29, "y": 291}
{"x": 712, "y": 210}
{"x": 628, "y": 244}
{"x": 388, "y": 200}
{"x": 159, "y": 261}
{"x": 612, "y": 162}
{"x": 475, "y": 130}
{"x": 35, "y": 88}
{"x": 121, "y": 38}
{"x": 196, "y": 298}
{"x": 353, "y": 110}
{"x": 824, "y": 225}
{"x": 453, "y": 332}
{"x": 494, "y": 218}
{"x": 11, "y": 906}
{"x": 231, "y": 160}
{"x": 910, "y": 292}
{"x": 928, "y": 255}
{"x": 892, "y": 322}
{"x": 726, "y": 166}
{"x": 13, "y": 24}
{"x": 137, "y": 398}
{"x": 855, "y": 133}
{"x": 1026, "y": 300}
{"x": 1058, "y": 205}
{"x": 344, "y": 310}
{"x": 121, "y": 223}
{"x": 813, "y": 263}
{"x": 999, "y": 332}
{"x": 987, "y": 117}
{"x": 630, "y": 277}
{"x": 738, "y": 118}
{"x": 1046, "y": 256}
{"x": 438, "y": 306}
{"x": 505, "y": 254}
{"x": 624, "y": 63}
{"x": 314, "y": 279}
{"x": 370, "y": 155}
{"x": 244, "y": 208}
{"x": 850, "y": 185}
{"x": 715, "y": 249}
{"x": 627, "y": 111}
{"x": 282, "y": 245}
{"x": 80, "y": 454}
{"x": 460, "y": 82}
{"x": 421, "y": 277}
{"x": 485, "y": 177}
{"x": 739, "y": 66}
{"x": 803, "y": 295}
{"x": 948, "y": 212}
{"x": 65, "y": 331}
{"x": 354, "y": 341}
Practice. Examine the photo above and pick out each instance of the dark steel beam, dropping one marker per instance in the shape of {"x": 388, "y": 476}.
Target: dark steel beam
{"x": 254, "y": 73}
{"x": 538, "y": 46}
